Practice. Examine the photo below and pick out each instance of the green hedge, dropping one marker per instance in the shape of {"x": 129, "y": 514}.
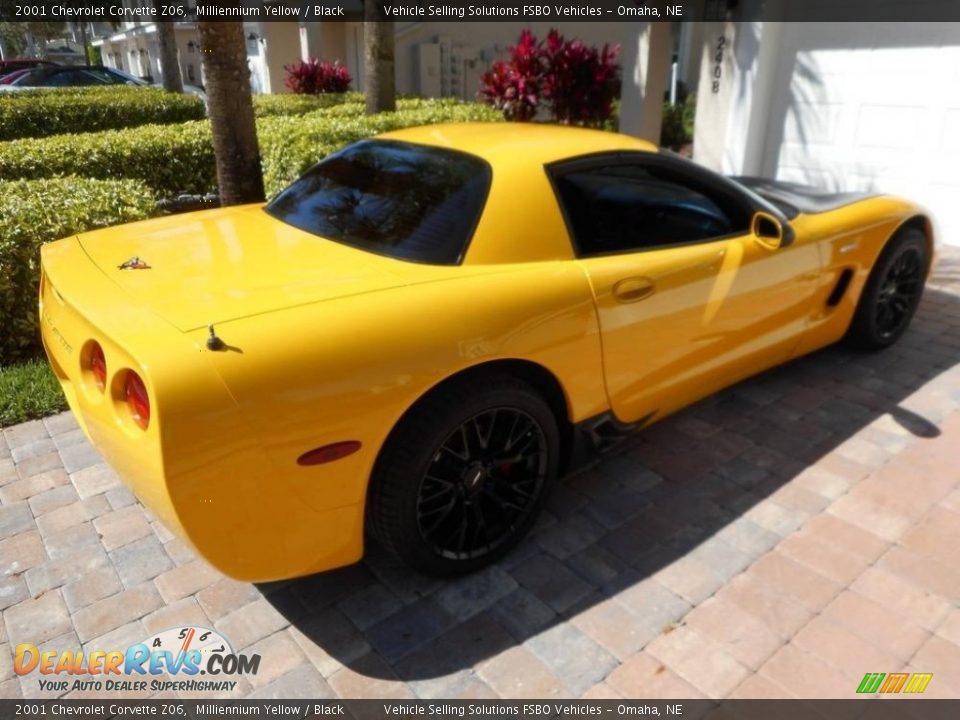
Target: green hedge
{"x": 33, "y": 212}
{"x": 41, "y": 113}
{"x": 337, "y": 105}
{"x": 270, "y": 105}
{"x": 169, "y": 158}
{"x": 175, "y": 159}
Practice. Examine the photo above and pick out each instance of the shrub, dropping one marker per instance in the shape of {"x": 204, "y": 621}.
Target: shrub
{"x": 576, "y": 83}
{"x": 580, "y": 82}
{"x": 292, "y": 105}
{"x": 176, "y": 159}
{"x": 612, "y": 123}
{"x": 316, "y": 78}
{"x": 33, "y": 212}
{"x": 514, "y": 87}
{"x": 677, "y": 128}
{"x": 41, "y": 113}
{"x": 170, "y": 158}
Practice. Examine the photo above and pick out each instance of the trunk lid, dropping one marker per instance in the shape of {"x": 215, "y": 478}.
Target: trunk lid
{"x": 219, "y": 265}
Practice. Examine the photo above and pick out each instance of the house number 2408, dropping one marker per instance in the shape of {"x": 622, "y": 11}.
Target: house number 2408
{"x": 718, "y": 63}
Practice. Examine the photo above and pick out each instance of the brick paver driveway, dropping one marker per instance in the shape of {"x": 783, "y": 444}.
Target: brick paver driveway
{"x": 782, "y": 538}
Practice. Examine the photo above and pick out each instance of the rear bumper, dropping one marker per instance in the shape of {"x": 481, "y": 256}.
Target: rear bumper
{"x": 102, "y": 413}
{"x": 198, "y": 466}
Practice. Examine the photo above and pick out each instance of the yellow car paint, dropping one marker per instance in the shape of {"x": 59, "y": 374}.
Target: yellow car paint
{"x": 325, "y": 343}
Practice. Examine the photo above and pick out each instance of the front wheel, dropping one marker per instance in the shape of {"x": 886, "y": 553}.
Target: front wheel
{"x": 892, "y": 292}
{"x": 462, "y": 478}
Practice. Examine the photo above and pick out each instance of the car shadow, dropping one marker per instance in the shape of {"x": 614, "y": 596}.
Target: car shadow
{"x": 695, "y": 488}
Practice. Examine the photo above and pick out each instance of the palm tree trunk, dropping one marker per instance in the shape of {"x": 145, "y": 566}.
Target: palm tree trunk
{"x": 169, "y": 64}
{"x": 379, "y": 77}
{"x": 230, "y": 107}
{"x": 85, "y": 42}
{"x": 33, "y": 48}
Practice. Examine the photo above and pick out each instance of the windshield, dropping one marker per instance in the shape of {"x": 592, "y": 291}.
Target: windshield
{"x": 406, "y": 201}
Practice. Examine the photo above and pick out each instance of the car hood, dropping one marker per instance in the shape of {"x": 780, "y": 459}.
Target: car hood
{"x": 218, "y": 265}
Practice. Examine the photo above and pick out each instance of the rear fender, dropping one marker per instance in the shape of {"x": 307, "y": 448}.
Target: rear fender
{"x": 348, "y": 369}
{"x": 850, "y": 240}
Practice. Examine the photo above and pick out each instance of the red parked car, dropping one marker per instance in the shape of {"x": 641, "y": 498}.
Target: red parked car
{"x": 9, "y": 66}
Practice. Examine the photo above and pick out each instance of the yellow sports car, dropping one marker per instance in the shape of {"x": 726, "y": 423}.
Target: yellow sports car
{"x": 417, "y": 335}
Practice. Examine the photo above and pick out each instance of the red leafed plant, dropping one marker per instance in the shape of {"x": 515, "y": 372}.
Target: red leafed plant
{"x": 577, "y": 83}
{"x": 581, "y": 82}
{"x": 314, "y": 77}
{"x": 514, "y": 86}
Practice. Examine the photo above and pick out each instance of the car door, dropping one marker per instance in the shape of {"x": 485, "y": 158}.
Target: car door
{"x": 693, "y": 290}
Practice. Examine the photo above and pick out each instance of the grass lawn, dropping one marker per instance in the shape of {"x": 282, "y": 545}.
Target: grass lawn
{"x": 28, "y": 391}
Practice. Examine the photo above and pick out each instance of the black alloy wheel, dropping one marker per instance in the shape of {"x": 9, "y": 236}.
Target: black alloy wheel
{"x": 462, "y": 477}
{"x": 892, "y": 292}
{"x": 899, "y": 293}
{"x": 482, "y": 483}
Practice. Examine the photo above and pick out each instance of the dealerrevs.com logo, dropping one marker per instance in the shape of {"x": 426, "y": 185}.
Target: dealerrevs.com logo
{"x": 179, "y": 653}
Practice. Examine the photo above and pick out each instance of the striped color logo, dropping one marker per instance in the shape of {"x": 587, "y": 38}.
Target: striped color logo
{"x": 894, "y": 683}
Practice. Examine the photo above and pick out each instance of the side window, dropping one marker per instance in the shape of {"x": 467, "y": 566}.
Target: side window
{"x": 102, "y": 77}
{"x": 626, "y": 207}
{"x": 62, "y": 79}
{"x": 73, "y": 77}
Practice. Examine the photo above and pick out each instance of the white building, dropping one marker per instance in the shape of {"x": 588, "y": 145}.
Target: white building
{"x": 133, "y": 48}
{"x": 845, "y": 106}
{"x": 433, "y": 59}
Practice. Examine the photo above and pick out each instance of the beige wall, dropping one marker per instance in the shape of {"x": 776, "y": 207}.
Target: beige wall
{"x": 281, "y": 47}
{"x": 645, "y": 60}
{"x": 323, "y": 40}
{"x": 481, "y": 44}
{"x": 189, "y": 56}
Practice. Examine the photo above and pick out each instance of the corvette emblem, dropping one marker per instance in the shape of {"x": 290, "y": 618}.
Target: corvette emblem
{"x": 134, "y": 263}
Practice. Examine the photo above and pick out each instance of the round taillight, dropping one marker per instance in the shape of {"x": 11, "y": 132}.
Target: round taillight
{"x": 137, "y": 399}
{"x": 98, "y": 365}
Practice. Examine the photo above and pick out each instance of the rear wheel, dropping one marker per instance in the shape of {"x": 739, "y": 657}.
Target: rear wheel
{"x": 892, "y": 293}
{"x": 462, "y": 479}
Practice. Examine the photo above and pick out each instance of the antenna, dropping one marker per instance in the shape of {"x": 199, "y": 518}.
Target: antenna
{"x": 213, "y": 342}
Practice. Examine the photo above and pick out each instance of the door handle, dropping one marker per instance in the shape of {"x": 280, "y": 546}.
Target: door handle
{"x": 632, "y": 289}
{"x": 767, "y": 243}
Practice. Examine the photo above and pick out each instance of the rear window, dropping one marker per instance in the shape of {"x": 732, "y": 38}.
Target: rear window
{"x": 406, "y": 201}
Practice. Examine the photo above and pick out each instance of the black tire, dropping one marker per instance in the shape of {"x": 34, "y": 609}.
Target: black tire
{"x": 433, "y": 476}
{"x": 892, "y": 293}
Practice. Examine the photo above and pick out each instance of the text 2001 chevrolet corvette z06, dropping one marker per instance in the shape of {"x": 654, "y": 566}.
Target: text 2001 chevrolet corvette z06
{"x": 412, "y": 336}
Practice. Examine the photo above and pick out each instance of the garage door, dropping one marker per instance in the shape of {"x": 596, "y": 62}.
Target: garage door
{"x": 871, "y": 107}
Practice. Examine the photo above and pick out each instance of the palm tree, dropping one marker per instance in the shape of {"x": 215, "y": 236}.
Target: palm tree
{"x": 230, "y": 108}
{"x": 169, "y": 64}
{"x": 379, "y": 77}
{"x": 31, "y": 38}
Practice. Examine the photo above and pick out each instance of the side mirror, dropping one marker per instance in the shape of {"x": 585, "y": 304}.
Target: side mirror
{"x": 770, "y": 231}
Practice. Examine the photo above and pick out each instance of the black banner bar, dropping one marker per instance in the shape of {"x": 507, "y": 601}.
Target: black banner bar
{"x": 295, "y": 709}
{"x": 484, "y": 10}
